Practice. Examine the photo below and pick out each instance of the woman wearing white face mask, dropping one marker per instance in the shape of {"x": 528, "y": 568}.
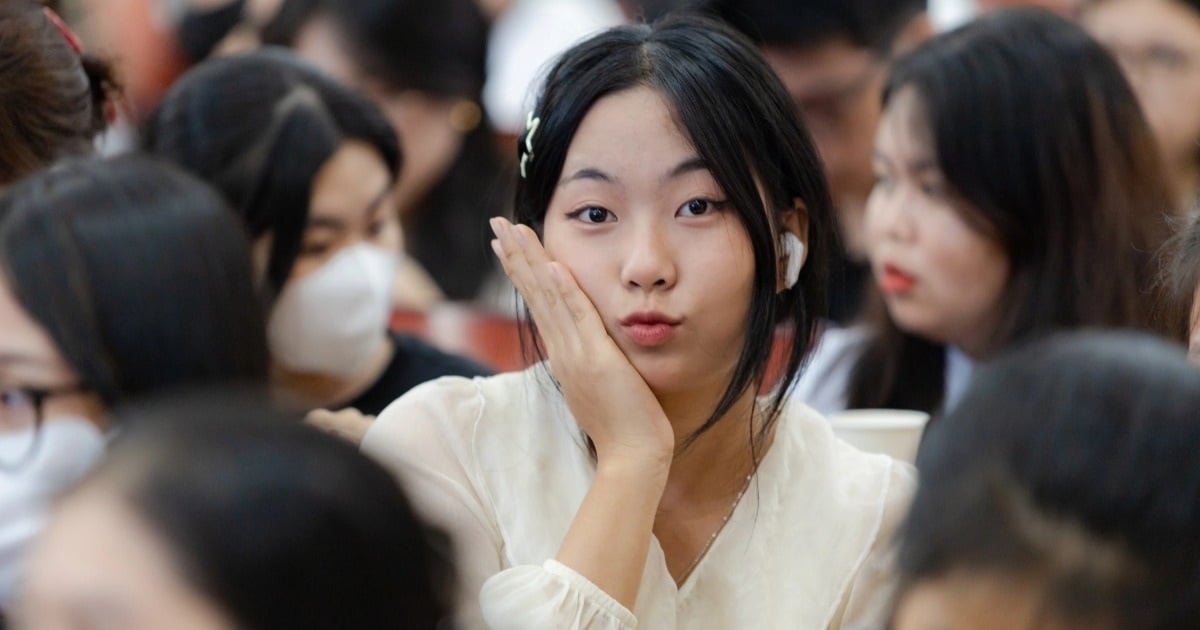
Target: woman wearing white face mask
{"x": 309, "y": 165}
{"x": 118, "y": 279}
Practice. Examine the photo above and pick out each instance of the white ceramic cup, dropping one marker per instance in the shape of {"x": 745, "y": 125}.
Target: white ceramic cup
{"x": 894, "y": 432}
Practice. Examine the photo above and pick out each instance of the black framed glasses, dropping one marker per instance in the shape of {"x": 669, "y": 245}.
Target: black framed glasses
{"x": 21, "y": 422}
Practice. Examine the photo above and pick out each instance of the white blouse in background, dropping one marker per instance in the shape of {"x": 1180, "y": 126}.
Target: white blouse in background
{"x": 501, "y": 465}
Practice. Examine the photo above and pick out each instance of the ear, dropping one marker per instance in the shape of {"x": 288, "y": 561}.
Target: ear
{"x": 795, "y": 221}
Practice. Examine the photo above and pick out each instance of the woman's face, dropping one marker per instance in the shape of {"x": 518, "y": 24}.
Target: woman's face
{"x": 350, "y": 205}
{"x": 1158, "y": 45}
{"x": 653, "y": 242}
{"x": 98, "y": 565}
{"x": 941, "y": 278}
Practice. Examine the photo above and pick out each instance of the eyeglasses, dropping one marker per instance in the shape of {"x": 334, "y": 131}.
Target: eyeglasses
{"x": 21, "y": 422}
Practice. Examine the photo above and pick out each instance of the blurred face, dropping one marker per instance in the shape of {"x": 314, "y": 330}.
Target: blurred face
{"x": 350, "y": 205}
{"x": 648, "y": 234}
{"x": 1158, "y": 45}
{"x": 962, "y": 601}
{"x": 98, "y": 565}
{"x": 30, "y": 360}
{"x": 429, "y": 139}
{"x": 837, "y": 87}
{"x": 941, "y": 278}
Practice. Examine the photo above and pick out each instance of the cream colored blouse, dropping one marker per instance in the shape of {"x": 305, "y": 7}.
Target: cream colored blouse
{"x": 501, "y": 465}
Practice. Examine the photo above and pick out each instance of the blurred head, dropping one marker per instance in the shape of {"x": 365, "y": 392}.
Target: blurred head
{"x": 423, "y": 63}
{"x": 832, "y": 56}
{"x": 309, "y": 166}
{"x": 54, "y": 96}
{"x": 222, "y": 516}
{"x": 665, "y": 165}
{"x": 1158, "y": 45}
{"x": 1060, "y": 493}
{"x": 122, "y": 278}
{"x": 1012, "y": 202}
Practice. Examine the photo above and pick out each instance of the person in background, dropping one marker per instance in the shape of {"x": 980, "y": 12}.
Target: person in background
{"x": 424, "y": 64}
{"x": 223, "y": 515}
{"x": 309, "y": 167}
{"x": 1183, "y": 281}
{"x": 1158, "y": 45}
{"x": 118, "y": 280}
{"x": 1019, "y": 192}
{"x": 671, "y": 213}
{"x": 55, "y": 95}
{"x": 1061, "y": 493}
{"x": 833, "y": 55}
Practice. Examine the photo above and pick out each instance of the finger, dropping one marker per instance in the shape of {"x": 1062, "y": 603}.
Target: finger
{"x": 514, "y": 256}
{"x": 554, "y": 306}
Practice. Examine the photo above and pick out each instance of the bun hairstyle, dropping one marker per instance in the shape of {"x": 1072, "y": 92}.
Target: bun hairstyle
{"x": 55, "y": 95}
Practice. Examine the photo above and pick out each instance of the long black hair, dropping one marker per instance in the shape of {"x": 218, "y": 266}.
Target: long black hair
{"x": 1069, "y": 465}
{"x": 259, "y": 127}
{"x": 1035, "y": 127}
{"x": 138, "y": 272}
{"x": 742, "y": 123}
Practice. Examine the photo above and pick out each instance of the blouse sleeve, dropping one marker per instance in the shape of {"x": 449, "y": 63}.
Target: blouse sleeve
{"x": 426, "y": 439}
{"x": 870, "y": 599}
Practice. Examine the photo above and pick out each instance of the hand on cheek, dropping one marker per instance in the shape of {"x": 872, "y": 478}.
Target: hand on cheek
{"x": 608, "y": 397}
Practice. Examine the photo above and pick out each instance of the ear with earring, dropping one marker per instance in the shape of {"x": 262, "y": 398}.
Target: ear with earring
{"x": 793, "y": 249}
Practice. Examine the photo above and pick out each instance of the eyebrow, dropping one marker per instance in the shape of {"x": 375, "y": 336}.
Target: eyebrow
{"x": 690, "y": 165}
{"x": 8, "y": 358}
{"x": 330, "y": 223}
{"x": 923, "y": 164}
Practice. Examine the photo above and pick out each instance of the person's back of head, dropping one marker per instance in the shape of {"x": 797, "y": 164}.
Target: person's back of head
{"x": 266, "y": 522}
{"x": 139, "y": 274}
{"x": 54, "y": 95}
{"x": 1066, "y": 481}
{"x": 259, "y": 127}
{"x": 867, "y": 24}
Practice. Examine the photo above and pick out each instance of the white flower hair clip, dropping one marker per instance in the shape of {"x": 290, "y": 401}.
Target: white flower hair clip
{"x": 531, "y": 127}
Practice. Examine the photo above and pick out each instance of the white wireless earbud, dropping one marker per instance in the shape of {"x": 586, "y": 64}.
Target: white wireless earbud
{"x": 793, "y": 248}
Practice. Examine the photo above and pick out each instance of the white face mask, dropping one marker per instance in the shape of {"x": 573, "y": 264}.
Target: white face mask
{"x": 334, "y": 320}
{"x": 67, "y": 449}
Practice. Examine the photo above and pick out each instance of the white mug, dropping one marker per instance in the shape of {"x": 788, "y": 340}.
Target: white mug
{"x": 895, "y": 432}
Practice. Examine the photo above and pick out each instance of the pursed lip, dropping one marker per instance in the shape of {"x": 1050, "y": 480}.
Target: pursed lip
{"x": 650, "y": 328}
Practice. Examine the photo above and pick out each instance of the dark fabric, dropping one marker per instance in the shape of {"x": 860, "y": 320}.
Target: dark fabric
{"x": 415, "y": 362}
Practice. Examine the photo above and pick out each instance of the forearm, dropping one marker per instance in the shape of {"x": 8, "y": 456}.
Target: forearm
{"x": 610, "y": 536}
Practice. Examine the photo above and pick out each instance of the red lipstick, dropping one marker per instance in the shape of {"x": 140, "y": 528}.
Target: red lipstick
{"x": 894, "y": 281}
{"x": 650, "y": 328}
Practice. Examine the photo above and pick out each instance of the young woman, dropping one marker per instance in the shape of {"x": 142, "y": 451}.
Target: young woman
{"x": 54, "y": 94}
{"x": 118, "y": 280}
{"x": 1019, "y": 192}
{"x": 1061, "y": 493}
{"x": 184, "y": 527}
{"x": 1158, "y": 45}
{"x": 309, "y": 166}
{"x": 671, "y": 213}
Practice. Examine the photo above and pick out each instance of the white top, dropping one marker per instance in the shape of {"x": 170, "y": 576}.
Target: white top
{"x": 825, "y": 381}
{"x": 500, "y": 464}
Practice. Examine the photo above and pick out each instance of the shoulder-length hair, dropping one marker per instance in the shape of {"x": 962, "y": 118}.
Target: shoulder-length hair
{"x": 138, "y": 272}
{"x": 737, "y": 114}
{"x": 259, "y": 127}
{"x": 1035, "y": 127}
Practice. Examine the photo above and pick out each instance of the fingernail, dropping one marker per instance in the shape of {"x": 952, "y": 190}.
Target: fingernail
{"x": 496, "y": 225}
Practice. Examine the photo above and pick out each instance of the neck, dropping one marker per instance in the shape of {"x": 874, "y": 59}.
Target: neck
{"x": 716, "y": 464}
{"x": 304, "y": 390}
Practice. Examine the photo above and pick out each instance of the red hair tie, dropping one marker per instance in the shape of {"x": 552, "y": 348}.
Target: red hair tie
{"x": 72, "y": 39}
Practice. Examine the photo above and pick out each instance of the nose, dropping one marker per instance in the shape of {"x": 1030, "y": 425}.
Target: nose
{"x": 886, "y": 217}
{"x": 650, "y": 258}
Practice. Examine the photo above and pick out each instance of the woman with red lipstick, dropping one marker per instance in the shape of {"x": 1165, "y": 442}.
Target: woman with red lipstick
{"x": 671, "y": 212}
{"x": 1019, "y": 192}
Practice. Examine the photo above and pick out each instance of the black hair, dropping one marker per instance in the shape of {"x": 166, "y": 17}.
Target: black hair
{"x": 1069, "y": 465}
{"x": 741, "y": 121}
{"x": 870, "y": 24}
{"x": 1182, "y": 276}
{"x": 280, "y": 525}
{"x": 1037, "y": 131}
{"x": 438, "y": 49}
{"x": 54, "y": 96}
{"x": 139, "y": 274}
{"x": 259, "y": 127}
